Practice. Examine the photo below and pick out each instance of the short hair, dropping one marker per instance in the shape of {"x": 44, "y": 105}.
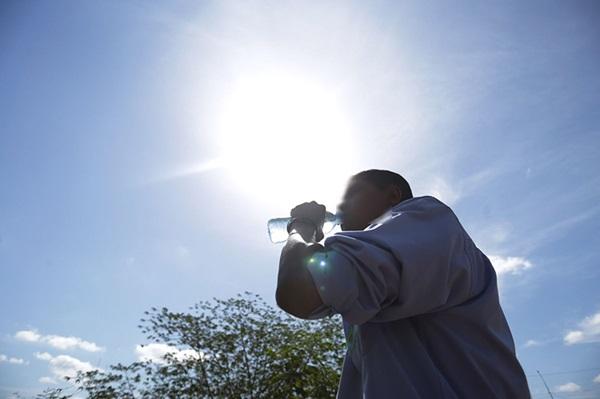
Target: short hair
{"x": 384, "y": 178}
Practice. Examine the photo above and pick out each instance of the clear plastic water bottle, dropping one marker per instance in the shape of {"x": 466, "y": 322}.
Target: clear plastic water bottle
{"x": 278, "y": 227}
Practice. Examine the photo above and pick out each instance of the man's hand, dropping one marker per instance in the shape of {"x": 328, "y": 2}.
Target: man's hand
{"x": 313, "y": 212}
{"x": 296, "y": 291}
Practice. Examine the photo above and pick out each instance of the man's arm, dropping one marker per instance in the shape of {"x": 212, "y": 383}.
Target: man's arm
{"x": 296, "y": 290}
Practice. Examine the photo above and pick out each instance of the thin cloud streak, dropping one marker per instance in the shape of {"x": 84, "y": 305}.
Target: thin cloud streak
{"x": 47, "y": 380}
{"x": 539, "y": 237}
{"x": 57, "y": 341}
{"x": 188, "y": 171}
{"x": 532, "y": 342}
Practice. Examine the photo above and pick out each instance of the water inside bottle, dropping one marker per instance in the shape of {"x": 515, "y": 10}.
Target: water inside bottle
{"x": 277, "y": 228}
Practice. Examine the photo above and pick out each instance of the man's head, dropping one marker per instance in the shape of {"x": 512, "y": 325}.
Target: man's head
{"x": 369, "y": 194}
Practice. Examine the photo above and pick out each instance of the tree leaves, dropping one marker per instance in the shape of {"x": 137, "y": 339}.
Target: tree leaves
{"x": 235, "y": 348}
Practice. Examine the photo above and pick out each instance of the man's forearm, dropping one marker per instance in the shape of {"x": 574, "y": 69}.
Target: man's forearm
{"x": 296, "y": 291}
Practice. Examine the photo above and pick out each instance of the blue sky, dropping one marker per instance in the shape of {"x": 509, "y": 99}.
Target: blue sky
{"x": 133, "y": 174}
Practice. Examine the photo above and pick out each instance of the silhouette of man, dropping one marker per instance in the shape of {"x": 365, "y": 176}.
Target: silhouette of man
{"x": 419, "y": 301}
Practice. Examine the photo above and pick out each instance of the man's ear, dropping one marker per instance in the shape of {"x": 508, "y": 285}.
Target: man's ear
{"x": 394, "y": 194}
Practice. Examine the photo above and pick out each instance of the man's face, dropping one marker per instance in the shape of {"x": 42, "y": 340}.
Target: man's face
{"x": 363, "y": 202}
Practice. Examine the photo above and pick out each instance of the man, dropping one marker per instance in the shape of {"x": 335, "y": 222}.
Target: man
{"x": 418, "y": 299}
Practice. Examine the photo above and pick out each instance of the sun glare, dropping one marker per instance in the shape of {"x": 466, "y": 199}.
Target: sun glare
{"x": 284, "y": 139}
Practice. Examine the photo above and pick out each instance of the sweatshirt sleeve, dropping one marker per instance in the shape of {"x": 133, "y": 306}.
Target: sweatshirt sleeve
{"x": 416, "y": 261}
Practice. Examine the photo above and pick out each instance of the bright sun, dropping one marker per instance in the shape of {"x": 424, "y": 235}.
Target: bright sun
{"x": 285, "y": 140}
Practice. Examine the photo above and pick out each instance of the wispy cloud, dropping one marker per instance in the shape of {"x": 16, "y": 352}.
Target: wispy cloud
{"x": 63, "y": 365}
{"x": 48, "y": 380}
{"x": 568, "y": 387}
{"x": 509, "y": 264}
{"x": 57, "y": 341}
{"x": 188, "y": 170}
{"x": 532, "y": 342}
{"x": 182, "y": 251}
{"x": 597, "y": 379}
{"x": 156, "y": 353}
{"x": 430, "y": 181}
{"x": 439, "y": 188}
{"x": 588, "y": 331}
{"x": 11, "y": 360}
{"x": 557, "y": 228}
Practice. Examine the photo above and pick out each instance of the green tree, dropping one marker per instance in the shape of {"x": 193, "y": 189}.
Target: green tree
{"x": 235, "y": 348}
